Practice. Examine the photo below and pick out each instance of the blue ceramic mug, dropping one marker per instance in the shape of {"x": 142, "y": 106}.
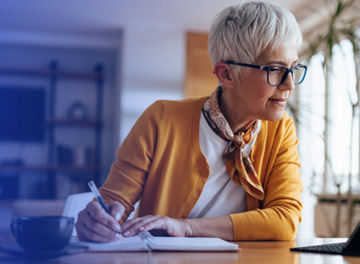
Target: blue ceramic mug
{"x": 42, "y": 233}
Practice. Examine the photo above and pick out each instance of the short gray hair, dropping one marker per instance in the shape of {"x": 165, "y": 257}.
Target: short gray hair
{"x": 244, "y": 31}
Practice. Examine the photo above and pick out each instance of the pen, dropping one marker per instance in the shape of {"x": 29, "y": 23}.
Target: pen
{"x": 97, "y": 194}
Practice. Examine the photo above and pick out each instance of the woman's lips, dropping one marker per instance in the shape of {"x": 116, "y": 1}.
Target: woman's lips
{"x": 279, "y": 101}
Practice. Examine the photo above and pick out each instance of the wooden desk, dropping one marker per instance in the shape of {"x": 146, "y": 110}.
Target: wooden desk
{"x": 251, "y": 252}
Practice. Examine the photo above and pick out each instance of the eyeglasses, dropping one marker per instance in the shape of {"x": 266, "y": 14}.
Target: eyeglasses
{"x": 277, "y": 74}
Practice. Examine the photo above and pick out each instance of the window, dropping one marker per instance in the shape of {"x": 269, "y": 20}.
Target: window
{"x": 341, "y": 137}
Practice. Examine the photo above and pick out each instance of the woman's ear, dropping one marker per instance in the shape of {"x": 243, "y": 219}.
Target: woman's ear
{"x": 224, "y": 74}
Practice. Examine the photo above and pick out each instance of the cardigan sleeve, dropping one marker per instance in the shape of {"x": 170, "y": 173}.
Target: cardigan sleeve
{"x": 127, "y": 176}
{"x": 280, "y": 213}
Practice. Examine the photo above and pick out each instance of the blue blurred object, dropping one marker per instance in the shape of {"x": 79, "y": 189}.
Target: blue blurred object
{"x": 9, "y": 185}
{"x": 22, "y": 114}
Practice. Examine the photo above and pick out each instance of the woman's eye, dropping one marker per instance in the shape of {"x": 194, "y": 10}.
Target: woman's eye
{"x": 274, "y": 69}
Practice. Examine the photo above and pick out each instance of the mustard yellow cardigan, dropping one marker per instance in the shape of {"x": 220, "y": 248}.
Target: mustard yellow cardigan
{"x": 160, "y": 162}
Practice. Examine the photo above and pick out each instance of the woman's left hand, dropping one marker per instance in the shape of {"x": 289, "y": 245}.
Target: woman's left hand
{"x": 173, "y": 227}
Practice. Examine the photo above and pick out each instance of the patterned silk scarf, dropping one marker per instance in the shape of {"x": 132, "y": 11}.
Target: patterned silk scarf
{"x": 237, "y": 153}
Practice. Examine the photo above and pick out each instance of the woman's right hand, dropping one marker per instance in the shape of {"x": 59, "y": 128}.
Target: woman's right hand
{"x": 94, "y": 224}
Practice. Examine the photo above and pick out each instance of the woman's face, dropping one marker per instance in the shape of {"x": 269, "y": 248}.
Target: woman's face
{"x": 254, "y": 97}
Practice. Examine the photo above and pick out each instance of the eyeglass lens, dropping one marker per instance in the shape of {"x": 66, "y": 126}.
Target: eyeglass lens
{"x": 277, "y": 75}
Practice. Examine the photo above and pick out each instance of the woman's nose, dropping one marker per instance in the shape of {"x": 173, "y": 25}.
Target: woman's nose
{"x": 288, "y": 83}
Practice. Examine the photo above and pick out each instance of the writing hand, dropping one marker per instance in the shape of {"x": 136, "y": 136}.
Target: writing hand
{"x": 94, "y": 224}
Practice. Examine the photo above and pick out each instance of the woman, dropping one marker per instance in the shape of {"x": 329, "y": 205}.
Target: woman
{"x": 226, "y": 165}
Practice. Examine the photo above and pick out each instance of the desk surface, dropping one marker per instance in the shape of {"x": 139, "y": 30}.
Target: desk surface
{"x": 251, "y": 252}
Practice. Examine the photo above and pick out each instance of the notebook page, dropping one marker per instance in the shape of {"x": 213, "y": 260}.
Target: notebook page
{"x": 134, "y": 243}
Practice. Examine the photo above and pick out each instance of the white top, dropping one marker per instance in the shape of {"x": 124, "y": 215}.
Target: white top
{"x": 220, "y": 196}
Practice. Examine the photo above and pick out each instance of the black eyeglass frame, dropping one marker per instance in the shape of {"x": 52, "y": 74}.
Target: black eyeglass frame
{"x": 268, "y": 68}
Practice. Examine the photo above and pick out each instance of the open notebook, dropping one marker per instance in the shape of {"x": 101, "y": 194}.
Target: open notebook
{"x": 349, "y": 248}
{"x": 144, "y": 241}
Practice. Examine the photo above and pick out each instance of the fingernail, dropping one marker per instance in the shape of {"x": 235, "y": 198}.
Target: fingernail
{"x": 142, "y": 228}
{"x": 126, "y": 233}
{"x": 115, "y": 228}
{"x": 117, "y": 216}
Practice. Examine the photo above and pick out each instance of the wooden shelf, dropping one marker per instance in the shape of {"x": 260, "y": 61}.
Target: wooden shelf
{"x": 54, "y": 74}
{"x": 51, "y": 73}
{"x": 332, "y": 197}
{"x": 74, "y": 122}
{"x": 51, "y": 168}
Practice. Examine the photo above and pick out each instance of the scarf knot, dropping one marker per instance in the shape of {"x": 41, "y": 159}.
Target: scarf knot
{"x": 238, "y": 140}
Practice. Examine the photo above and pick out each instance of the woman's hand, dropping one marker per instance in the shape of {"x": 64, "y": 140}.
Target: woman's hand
{"x": 173, "y": 227}
{"x": 94, "y": 224}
